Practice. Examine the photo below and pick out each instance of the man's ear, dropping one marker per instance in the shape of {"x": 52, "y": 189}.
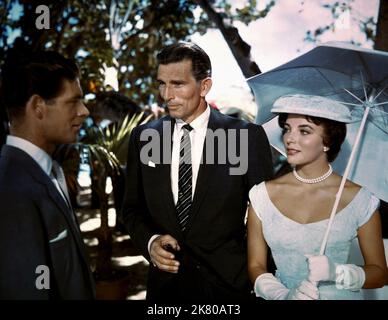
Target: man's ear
{"x": 206, "y": 85}
{"x": 36, "y": 106}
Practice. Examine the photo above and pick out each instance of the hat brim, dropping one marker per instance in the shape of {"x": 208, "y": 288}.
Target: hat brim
{"x": 314, "y": 106}
{"x": 312, "y": 113}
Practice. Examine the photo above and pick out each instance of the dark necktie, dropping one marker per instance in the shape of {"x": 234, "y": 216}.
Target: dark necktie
{"x": 183, "y": 205}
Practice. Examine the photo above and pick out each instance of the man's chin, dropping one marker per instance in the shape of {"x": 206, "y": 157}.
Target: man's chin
{"x": 175, "y": 114}
{"x": 70, "y": 140}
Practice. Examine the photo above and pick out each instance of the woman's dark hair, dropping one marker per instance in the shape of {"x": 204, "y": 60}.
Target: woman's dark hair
{"x": 334, "y": 133}
{"x": 27, "y": 73}
{"x": 177, "y": 52}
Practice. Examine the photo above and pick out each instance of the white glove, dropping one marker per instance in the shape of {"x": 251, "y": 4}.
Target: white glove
{"x": 321, "y": 268}
{"x": 305, "y": 291}
{"x": 346, "y": 276}
{"x": 350, "y": 276}
{"x": 270, "y": 288}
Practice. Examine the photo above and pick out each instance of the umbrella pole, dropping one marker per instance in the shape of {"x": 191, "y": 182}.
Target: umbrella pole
{"x": 343, "y": 181}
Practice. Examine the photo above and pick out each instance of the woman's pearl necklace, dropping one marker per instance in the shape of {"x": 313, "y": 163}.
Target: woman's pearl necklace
{"x": 314, "y": 180}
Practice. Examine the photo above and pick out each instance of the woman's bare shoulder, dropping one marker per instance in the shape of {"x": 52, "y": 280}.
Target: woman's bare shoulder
{"x": 351, "y": 189}
{"x": 279, "y": 184}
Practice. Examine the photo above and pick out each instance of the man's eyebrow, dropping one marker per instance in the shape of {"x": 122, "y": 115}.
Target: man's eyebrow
{"x": 177, "y": 81}
{"x": 171, "y": 81}
{"x": 77, "y": 97}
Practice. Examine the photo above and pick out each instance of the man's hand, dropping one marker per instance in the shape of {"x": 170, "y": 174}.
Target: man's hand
{"x": 161, "y": 257}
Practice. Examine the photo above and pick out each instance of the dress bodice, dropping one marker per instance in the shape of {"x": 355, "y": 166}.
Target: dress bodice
{"x": 290, "y": 240}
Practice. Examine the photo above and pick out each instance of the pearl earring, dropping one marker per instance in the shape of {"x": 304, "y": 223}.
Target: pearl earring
{"x": 325, "y": 149}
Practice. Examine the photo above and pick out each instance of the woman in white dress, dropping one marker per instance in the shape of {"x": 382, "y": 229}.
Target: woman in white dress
{"x": 290, "y": 214}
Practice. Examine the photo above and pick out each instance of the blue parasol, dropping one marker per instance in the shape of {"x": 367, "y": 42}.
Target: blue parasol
{"x": 354, "y": 76}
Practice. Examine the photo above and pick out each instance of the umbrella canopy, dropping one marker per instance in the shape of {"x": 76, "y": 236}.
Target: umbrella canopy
{"x": 345, "y": 73}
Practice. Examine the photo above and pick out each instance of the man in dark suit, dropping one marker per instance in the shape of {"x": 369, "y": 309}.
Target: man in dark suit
{"x": 188, "y": 178}
{"x": 41, "y": 248}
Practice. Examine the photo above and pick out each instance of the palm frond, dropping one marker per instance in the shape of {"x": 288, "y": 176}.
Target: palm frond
{"x": 106, "y": 150}
{"x": 115, "y": 138}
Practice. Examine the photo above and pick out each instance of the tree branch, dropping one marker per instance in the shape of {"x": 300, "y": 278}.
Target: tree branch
{"x": 240, "y": 49}
{"x": 381, "y": 42}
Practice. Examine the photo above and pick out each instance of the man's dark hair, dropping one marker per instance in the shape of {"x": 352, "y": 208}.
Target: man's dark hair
{"x": 177, "y": 52}
{"x": 334, "y": 133}
{"x": 25, "y": 74}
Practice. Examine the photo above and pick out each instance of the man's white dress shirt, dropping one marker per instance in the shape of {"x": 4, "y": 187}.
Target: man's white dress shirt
{"x": 197, "y": 139}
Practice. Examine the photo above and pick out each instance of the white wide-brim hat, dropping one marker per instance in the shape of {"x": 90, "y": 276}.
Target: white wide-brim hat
{"x": 315, "y": 106}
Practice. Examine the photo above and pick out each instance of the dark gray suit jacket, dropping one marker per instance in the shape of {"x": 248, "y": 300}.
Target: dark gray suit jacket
{"x": 36, "y": 228}
{"x": 214, "y": 242}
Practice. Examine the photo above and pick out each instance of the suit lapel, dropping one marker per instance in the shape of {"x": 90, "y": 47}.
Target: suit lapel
{"x": 67, "y": 212}
{"x": 54, "y": 194}
{"x": 69, "y": 215}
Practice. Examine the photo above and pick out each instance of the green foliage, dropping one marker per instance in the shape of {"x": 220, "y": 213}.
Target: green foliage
{"x": 114, "y": 139}
{"x": 250, "y": 12}
{"x": 105, "y": 149}
{"x": 82, "y": 29}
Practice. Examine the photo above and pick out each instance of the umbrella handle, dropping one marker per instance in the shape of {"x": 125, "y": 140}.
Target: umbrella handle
{"x": 343, "y": 181}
